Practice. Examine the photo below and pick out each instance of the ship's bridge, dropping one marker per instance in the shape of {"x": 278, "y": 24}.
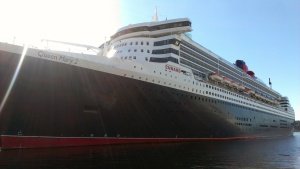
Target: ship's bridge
{"x": 154, "y": 29}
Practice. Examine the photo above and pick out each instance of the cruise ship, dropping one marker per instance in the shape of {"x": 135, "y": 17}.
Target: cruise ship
{"x": 150, "y": 83}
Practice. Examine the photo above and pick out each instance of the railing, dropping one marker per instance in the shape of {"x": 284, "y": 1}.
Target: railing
{"x": 46, "y": 44}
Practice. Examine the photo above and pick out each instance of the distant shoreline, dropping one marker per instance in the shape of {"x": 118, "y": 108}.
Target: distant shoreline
{"x": 297, "y": 126}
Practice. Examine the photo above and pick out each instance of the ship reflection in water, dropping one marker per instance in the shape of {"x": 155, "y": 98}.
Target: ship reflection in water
{"x": 270, "y": 153}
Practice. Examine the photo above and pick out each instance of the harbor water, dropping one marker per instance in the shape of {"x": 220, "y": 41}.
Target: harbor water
{"x": 267, "y": 153}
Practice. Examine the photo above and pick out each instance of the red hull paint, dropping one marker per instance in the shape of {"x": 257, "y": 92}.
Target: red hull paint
{"x": 16, "y": 142}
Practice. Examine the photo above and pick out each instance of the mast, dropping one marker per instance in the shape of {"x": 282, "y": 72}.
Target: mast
{"x": 155, "y": 16}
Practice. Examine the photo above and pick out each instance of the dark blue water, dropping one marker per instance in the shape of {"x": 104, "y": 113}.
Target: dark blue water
{"x": 270, "y": 153}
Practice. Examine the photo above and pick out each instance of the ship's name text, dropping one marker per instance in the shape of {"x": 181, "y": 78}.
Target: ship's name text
{"x": 59, "y": 58}
{"x": 172, "y": 68}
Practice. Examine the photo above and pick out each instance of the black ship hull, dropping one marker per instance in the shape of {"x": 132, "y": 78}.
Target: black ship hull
{"x": 57, "y": 100}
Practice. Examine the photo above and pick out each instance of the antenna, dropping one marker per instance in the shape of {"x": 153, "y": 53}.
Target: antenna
{"x": 270, "y": 83}
{"x": 155, "y": 16}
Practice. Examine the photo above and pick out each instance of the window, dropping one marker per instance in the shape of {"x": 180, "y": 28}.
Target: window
{"x": 146, "y": 58}
{"x": 130, "y": 43}
{"x": 142, "y": 43}
{"x": 148, "y": 51}
{"x": 163, "y": 60}
{"x": 136, "y": 43}
{"x": 147, "y": 43}
{"x": 134, "y": 57}
{"x": 128, "y": 50}
{"x": 142, "y": 50}
{"x": 134, "y": 50}
{"x": 165, "y": 51}
{"x": 166, "y": 42}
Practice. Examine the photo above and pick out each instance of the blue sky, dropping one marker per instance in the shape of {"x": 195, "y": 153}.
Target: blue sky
{"x": 264, "y": 33}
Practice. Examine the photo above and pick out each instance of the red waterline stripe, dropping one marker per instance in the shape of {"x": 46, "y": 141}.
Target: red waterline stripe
{"x": 15, "y": 142}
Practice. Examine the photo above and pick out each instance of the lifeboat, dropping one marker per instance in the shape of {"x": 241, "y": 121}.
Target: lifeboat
{"x": 215, "y": 77}
{"x": 249, "y": 92}
{"x": 227, "y": 81}
{"x": 240, "y": 87}
{"x": 236, "y": 85}
{"x": 257, "y": 96}
{"x": 275, "y": 102}
{"x": 269, "y": 101}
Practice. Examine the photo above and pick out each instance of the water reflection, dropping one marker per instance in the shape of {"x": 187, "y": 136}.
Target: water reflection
{"x": 272, "y": 153}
